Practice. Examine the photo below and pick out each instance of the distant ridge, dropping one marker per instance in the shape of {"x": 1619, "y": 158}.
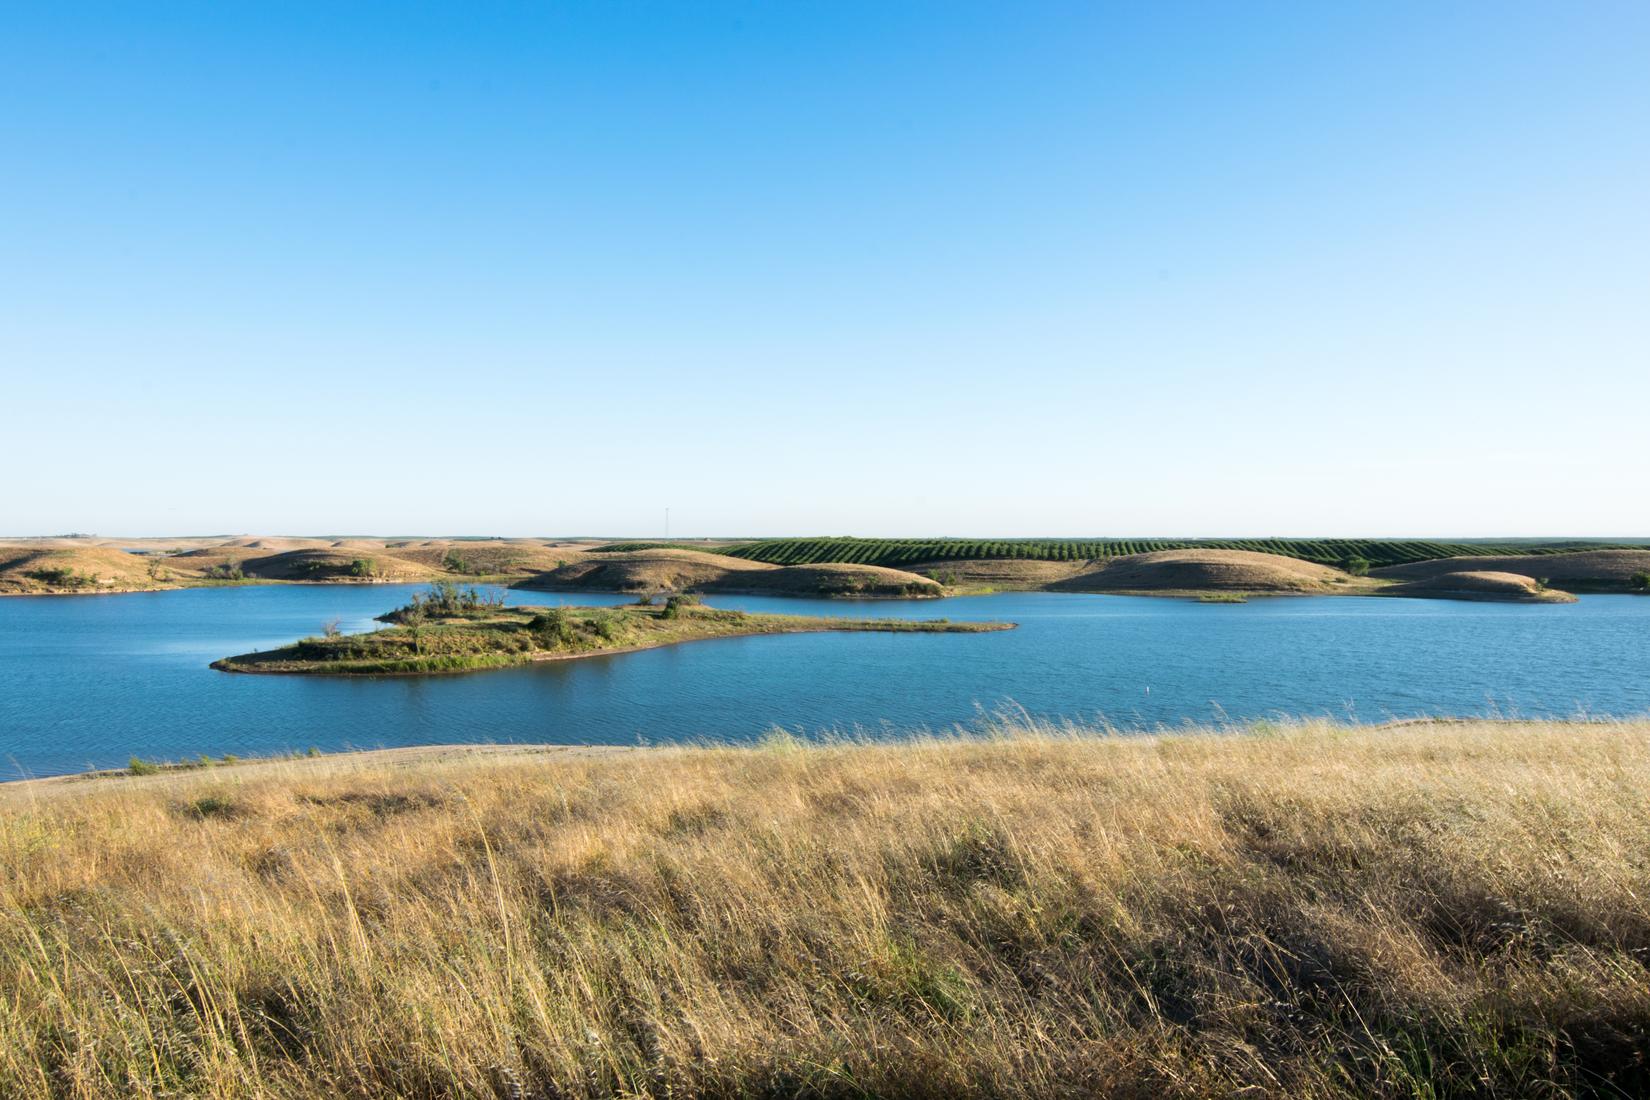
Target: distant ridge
{"x": 899, "y": 553}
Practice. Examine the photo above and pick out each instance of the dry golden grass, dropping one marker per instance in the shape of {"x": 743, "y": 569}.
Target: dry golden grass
{"x": 25, "y": 569}
{"x": 519, "y": 557}
{"x": 135, "y": 542}
{"x": 1432, "y": 910}
{"x": 275, "y": 543}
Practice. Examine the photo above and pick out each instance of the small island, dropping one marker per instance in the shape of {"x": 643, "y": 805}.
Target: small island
{"x": 459, "y": 630}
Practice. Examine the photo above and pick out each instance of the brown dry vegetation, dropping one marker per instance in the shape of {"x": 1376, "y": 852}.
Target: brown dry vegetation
{"x": 158, "y": 545}
{"x": 1427, "y": 910}
{"x": 1207, "y": 570}
{"x": 271, "y": 544}
{"x": 533, "y": 563}
{"x": 324, "y": 563}
{"x": 1160, "y": 571}
{"x": 646, "y": 571}
{"x": 1478, "y": 585}
{"x": 1000, "y": 573}
{"x": 667, "y": 570}
{"x": 1581, "y": 570}
{"x": 333, "y": 564}
{"x": 837, "y": 580}
{"x": 512, "y": 557}
{"x": 183, "y": 562}
{"x": 73, "y": 569}
{"x": 551, "y": 564}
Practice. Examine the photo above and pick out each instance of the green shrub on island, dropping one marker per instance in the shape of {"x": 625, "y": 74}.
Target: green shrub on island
{"x": 675, "y": 604}
{"x": 605, "y": 625}
{"x": 552, "y": 628}
{"x": 1639, "y": 582}
{"x": 63, "y": 577}
{"x": 447, "y": 599}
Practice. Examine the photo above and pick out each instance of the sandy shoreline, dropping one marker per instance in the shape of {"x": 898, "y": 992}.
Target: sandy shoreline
{"x": 406, "y": 756}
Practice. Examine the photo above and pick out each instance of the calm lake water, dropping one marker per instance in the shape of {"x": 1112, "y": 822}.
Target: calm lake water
{"x": 91, "y": 681}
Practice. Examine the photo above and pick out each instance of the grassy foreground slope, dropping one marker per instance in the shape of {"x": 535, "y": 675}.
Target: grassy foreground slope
{"x": 1427, "y": 910}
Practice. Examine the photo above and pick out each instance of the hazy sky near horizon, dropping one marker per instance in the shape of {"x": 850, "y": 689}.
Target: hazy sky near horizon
{"x": 870, "y": 268}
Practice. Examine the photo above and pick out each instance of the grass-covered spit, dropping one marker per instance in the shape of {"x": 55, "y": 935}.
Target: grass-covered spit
{"x": 454, "y": 631}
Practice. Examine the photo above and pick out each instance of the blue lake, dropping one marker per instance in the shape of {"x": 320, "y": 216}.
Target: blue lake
{"x": 92, "y": 681}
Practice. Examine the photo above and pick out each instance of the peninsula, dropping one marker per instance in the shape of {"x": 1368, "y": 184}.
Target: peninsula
{"x": 454, "y": 630}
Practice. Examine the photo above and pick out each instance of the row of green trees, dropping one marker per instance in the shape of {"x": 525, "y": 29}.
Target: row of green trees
{"x": 1357, "y": 554}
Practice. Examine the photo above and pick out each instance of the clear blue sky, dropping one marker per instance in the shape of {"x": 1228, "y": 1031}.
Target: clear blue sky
{"x": 879, "y": 268}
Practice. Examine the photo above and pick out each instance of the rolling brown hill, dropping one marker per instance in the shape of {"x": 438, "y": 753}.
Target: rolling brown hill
{"x": 1002, "y": 573}
{"x": 78, "y": 569}
{"x": 669, "y": 570}
{"x": 1206, "y": 570}
{"x": 646, "y": 571}
{"x": 276, "y": 543}
{"x": 837, "y": 580}
{"x": 1581, "y": 569}
{"x": 512, "y": 557}
{"x": 1478, "y": 585}
{"x": 332, "y": 565}
{"x": 87, "y": 564}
